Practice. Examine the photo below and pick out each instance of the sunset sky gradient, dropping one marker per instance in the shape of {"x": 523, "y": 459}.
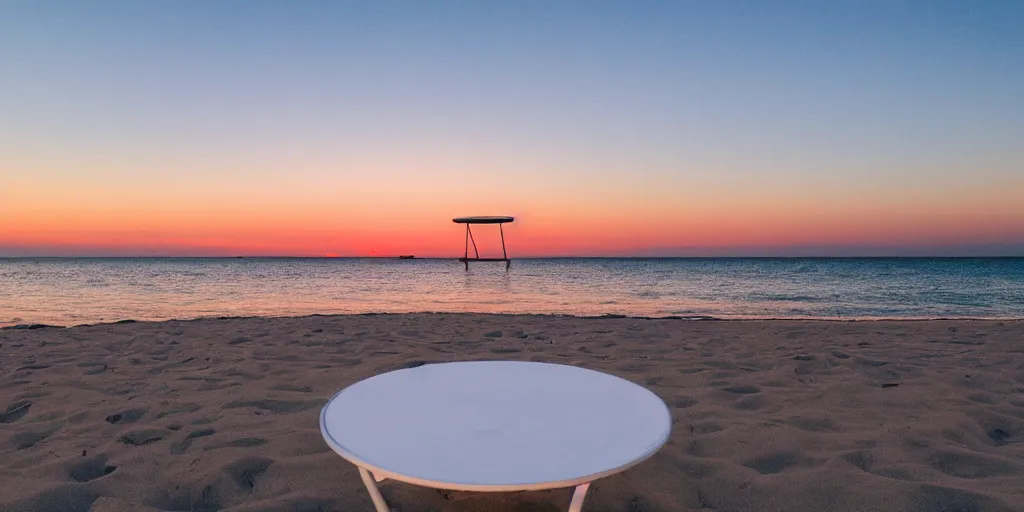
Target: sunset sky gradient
{"x": 607, "y": 128}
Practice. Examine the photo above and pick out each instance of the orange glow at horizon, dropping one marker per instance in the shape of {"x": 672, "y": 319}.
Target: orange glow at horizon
{"x": 378, "y": 215}
{"x": 318, "y": 232}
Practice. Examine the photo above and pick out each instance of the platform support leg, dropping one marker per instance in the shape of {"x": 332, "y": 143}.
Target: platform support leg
{"x": 577, "y": 497}
{"x": 466, "y": 256}
{"x": 504, "y": 253}
{"x": 471, "y": 239}
{"x": 378, "y": 500}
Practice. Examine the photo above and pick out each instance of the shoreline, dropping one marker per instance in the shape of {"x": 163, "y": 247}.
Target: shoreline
{"x": 685, "y": 318}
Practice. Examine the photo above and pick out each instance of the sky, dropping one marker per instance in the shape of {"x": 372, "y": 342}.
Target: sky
{"x": 677, "y": 128}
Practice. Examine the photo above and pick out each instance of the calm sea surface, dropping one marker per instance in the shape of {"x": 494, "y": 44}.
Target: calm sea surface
{"x": 75, "y": 291}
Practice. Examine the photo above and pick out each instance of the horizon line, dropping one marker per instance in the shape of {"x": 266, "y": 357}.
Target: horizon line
{"x": 456, "y": 258}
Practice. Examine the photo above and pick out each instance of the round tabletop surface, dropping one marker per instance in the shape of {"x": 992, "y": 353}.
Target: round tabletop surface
{"x": 495, "y": 425}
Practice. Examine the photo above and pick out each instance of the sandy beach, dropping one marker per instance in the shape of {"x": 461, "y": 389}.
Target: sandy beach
{"x": 789, "y": 416}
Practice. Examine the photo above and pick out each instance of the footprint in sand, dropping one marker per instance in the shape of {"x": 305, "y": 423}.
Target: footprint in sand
{"x": 277, "y": 406}
{"x": 185, "y": 408}
{"x": 982, "y": 398}
{"x": 999, "y": 436}
{"x": 296, "y": 389}
{"x": 15, "y": 411}
{"x": 684, "y": 401}
{"x": 505, "y": 350}
{"x": 24, "y": 440}
{"x": 864, "y": 460}
{"x": 414, "y": 364}
{"x": 93, "y": 367}
{"x": 247, "y": 470}
{"x": 935, "y": 497}
{"x": 182, "y": 445}
{"x": 771, "y": 464}
{"x": 34, "y": 367}
{"x": 812, "y": 424}
{"x": 247, "y": 442}
{"x": 750, "y": 403}
{"x": 90, "y": 469}
{"x": 67, "y": 497}
{"x": 228, "y": 488}
{"x": 634, "y": 367}
{"x": 871, "y": 363}
{"x": 142, "y": 437}
{"x": 742, "y": 390}
{"x": 205, "y": 420}
{"x": 126, "y": 417}
{"x": 968, "y": 465}
{"x": 707, "y": 427}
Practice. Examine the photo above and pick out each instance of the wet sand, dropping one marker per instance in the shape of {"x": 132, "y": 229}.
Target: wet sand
{"x": 768, "y": 415}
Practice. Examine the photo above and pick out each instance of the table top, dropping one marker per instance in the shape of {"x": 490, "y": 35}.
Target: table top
{"x": 495, "y": 425}
{"x": 483, "y": 220}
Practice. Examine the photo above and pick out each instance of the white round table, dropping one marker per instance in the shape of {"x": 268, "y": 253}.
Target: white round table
{"x": 494, "y": 426}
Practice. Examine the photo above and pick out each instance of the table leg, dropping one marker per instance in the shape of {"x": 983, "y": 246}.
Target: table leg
{"x": 378, "y": 500}
{"x": 576, "y": 505}
{"x": 577, "y": 497}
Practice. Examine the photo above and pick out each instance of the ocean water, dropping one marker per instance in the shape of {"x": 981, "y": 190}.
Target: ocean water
{"x": 69, "y": 291}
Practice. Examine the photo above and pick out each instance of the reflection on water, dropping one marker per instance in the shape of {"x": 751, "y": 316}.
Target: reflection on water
{"x": 72, "y": 291}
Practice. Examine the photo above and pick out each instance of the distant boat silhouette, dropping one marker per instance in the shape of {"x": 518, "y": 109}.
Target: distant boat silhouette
{"x": 407, "y": 257}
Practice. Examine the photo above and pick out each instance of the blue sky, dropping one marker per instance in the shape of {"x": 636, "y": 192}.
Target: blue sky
{"x": 615, "y": 105}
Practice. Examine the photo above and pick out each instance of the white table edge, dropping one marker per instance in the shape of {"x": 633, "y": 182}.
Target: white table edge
{"x": 370, "y": 474}
{"x": 381, "y": 473}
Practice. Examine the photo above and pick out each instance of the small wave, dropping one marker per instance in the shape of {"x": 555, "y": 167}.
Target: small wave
{"x": 769, "y": 297}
